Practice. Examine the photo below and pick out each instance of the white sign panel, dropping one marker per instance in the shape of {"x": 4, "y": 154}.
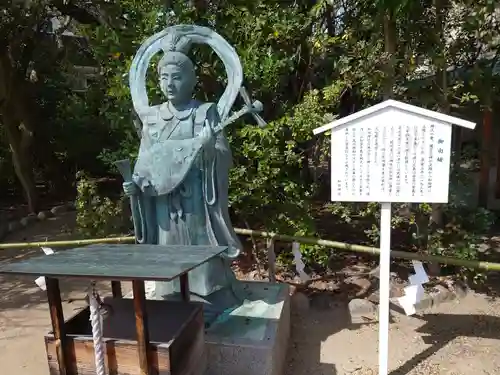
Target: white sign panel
{"x": 391, "y": 157}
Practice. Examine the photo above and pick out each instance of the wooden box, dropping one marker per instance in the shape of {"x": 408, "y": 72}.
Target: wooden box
{"x": 176, "y": 332}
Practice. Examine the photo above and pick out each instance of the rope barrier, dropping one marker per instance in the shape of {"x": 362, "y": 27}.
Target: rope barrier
{"x": 96, "y": 321}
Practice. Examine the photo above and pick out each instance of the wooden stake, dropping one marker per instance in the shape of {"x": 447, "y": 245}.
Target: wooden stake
{"x": 57, "y": 318}
{"x": 184, "y": 280}
{"x": 116, "y": 289}
{"x": 141, "y": 324}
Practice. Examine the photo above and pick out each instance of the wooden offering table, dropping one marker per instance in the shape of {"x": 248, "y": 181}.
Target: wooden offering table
{"x": 140, "y": 337}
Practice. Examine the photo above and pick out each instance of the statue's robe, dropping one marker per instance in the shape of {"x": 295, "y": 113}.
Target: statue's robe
{"x": 183, "y": 187}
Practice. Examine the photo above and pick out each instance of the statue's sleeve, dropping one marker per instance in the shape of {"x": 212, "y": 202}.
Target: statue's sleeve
{"x": 217, "y": 166}
{"x": 144, "y": 218}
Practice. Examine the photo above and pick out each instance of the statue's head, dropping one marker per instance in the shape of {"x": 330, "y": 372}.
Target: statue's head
{"x": 176, "y": 70}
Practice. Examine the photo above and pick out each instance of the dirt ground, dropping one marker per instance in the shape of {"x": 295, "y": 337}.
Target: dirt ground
{"x": 456, "y": 338}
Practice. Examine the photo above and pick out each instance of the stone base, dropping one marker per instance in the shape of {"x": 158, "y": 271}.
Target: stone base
{"x": 253, "y": 339}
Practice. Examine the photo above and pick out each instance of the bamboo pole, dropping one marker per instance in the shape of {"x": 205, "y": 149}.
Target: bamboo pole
{"x": 68, "y": 243}
{"x": 472, "y": 264}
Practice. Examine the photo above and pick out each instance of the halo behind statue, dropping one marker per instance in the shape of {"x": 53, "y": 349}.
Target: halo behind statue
{"x": 197, "y": 34}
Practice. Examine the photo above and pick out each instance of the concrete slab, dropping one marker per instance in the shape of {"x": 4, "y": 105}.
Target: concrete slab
{"x": 253, "y": 339}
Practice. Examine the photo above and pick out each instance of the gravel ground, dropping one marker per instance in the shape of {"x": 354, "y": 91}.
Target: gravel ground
{"x": 455, "y": 338}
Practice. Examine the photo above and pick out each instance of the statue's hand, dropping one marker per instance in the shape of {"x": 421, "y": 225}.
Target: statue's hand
{"x": 130, "y": 188}
{"x": 206, "y": 135}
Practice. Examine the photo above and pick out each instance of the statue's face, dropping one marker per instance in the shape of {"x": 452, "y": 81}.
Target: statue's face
{"x": 175, "y": 84}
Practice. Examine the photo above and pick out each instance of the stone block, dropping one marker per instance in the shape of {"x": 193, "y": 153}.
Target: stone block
{"x": 25, "y": 221}
{"x": 44, "y": 215}
{"x": 57, "y": 210}
{"x": 362, "y": 311}
{"x": 13, "y": 226}
{"x": 254, "y": 338}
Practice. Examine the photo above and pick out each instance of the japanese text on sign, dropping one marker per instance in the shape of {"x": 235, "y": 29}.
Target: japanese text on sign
{"x": 396, "y": 162}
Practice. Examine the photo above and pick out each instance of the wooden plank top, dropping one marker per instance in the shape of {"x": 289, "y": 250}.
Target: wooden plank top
{"x": 117, "y": 262}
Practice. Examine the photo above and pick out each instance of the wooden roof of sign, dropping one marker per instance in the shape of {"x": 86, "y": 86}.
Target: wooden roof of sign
{"x": 400, "y": 106}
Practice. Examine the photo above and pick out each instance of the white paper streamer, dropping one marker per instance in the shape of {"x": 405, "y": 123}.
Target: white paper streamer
{"x": 299, "y": 264}
{"x": 415, "y": 291}
{"x": 40, "y": 281}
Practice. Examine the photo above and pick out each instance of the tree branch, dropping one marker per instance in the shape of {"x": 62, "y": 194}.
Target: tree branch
{"x": 84, "y": 12}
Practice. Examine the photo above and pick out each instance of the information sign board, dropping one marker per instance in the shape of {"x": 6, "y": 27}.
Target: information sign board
{"x": 390, "y": 152}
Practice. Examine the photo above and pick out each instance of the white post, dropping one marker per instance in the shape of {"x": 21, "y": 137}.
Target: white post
{"x": 385, "y": 268}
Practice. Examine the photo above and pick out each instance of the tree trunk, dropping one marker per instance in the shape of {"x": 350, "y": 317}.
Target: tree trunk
{"x": 201, "y": 8}
{"x": 16, "y": 114}
{"x": 485, "y": 157}
{"x": 441, "y": 85}
{"x": 19, "y": 142}
{"x": 390, "y": 44}
{"x": 436, "y": 220}
{"x": 330, "y": 19}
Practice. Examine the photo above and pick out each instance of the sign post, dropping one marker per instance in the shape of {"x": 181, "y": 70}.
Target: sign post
{"x": 392, "y": 152}
{"x": 385, "y": 273}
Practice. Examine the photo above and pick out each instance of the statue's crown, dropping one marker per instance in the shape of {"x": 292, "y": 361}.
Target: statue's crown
{"x": 175, "y": 49}
{"x": 176, "y": 43}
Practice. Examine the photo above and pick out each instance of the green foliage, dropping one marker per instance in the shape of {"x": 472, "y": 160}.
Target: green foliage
{"x": 266, "y": 179}
{"x": 97, "y": 216}
{"x": 307, "y": 61}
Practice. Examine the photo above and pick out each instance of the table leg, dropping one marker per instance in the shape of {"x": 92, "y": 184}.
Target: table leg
{"x": 184, "y": 280}
{"x": 141, "y": 324}
{"x": 116, "y": 289}
{"x": 57, "y": 318}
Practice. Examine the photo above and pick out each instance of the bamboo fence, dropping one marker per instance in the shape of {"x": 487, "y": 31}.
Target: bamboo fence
{"x": 472, "y": 264}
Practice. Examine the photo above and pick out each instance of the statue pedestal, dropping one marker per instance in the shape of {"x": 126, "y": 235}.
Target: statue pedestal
{"x": 253, "y": 339}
